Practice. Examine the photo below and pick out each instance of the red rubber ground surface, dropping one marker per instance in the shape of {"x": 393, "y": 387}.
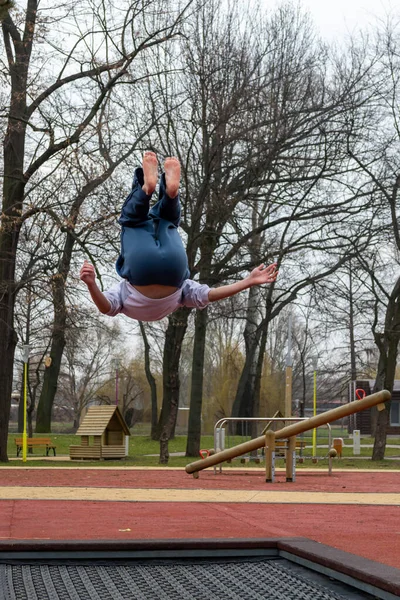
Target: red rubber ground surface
{"x": 375, "y": 482}
{"x": 369, "y": 531}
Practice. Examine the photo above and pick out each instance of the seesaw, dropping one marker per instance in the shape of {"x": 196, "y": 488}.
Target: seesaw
{"x": 289, "y": 432}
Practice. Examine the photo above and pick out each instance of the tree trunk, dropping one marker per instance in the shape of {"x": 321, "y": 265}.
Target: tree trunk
{"x": 13, "y": 195}
{"x": 151, "y": 381}
{"x": 77, "y": 408}
{"x": 245, "y": 396}
{"x": 8, "y": 336}
{"x": 172, "y": 352}
{"x": 388, "y": 344}
{"x": 257, "y": 386}
{"x": 244, "y": 400}
{"x": 209, "y": 242}
{"x": 167, "y": 430}
{"x": 51, "y": 374}
{"x": 196, "y": 396}
{"x": 384, "y": 380}
{"x": 50, "y": 379}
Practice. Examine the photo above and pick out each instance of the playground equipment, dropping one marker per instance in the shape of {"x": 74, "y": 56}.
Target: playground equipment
{"x": 378, "y": 399}
{"x": 194, "y": 568}
{"x": 338, "y": 446}
{"x": 281, "y": 446}
{"x": 106, "y": 426}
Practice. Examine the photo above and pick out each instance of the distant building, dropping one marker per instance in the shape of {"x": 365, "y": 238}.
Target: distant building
{"x": 323, "y": 405}
{"x": 363, "y": 419}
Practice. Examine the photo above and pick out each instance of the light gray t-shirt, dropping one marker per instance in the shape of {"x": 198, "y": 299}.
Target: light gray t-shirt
{"x": 126, "y": 299}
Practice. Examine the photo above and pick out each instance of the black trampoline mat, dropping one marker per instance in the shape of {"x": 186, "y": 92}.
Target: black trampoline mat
{"x": 231, "y": 579}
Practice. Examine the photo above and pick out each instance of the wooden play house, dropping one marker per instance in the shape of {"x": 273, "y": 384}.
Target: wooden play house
{"x": 102, "y": 432}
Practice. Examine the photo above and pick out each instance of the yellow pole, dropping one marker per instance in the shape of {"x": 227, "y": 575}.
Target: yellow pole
{"x": 314, "y": 433}
{"x": 24, "y": 438}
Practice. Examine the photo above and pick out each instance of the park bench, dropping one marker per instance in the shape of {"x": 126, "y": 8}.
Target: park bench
{"x": 31, "y": 442}
{"x": 281, "y": 446}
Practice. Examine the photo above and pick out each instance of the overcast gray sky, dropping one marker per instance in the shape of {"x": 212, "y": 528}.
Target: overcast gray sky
{"x": 336, "y": 18}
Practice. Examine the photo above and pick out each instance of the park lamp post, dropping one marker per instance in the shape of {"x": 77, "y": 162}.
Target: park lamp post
{"x": 314, "y": 433}
{"x": 25, "y": 357}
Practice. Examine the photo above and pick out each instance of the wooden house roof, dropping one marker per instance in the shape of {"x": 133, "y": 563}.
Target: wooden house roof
{"x": 97, "y": 418}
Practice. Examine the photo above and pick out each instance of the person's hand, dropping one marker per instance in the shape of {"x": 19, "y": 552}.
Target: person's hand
{"x": 263, "y": 274}
{"x": 87, "y": 273}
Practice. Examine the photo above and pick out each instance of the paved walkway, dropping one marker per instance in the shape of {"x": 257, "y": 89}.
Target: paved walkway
{"x": 357, "y": 512}
{"x": 100, "y": 494}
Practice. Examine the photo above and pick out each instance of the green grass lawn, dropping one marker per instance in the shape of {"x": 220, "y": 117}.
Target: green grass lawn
{"x": 139, "y": 445}
{"x": 141, "y": 449}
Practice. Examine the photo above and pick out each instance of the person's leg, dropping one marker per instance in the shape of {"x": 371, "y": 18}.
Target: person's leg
{"x": 136, "y": 207}
{"x": 168, "y": 206}
{"x": 137, "y": 228}
{"x": 151, "y": 248}
{"x": 173, "y": 262}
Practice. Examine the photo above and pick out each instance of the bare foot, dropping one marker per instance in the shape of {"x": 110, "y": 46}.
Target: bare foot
{"x": 150, "y": 172}
{"x": 172, "y": 170}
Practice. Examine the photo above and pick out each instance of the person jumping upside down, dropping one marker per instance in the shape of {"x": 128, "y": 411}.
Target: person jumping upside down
{"x": 153, "y": 262}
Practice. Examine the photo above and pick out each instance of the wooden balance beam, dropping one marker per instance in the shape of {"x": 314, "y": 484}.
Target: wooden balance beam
{"x": 345, "y": 410}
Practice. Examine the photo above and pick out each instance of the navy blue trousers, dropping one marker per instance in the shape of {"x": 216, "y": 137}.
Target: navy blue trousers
{"x": 151, "y": 247}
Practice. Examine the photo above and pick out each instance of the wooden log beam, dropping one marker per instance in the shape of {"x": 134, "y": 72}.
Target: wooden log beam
{"x": 294, "y": 429}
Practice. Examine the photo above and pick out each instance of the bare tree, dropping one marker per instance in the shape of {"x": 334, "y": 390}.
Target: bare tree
{"x": 86, "y": 365}
{"x": 50, "y": 110}
{"x": 150, "y": 379}
{"x": 375, "y": 153}
{"x": 259, "y": 135}
{"x": 343, "y": 307}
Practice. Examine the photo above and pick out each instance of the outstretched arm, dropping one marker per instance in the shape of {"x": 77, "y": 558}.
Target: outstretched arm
{"x": 88, "y": 276}
{"x": 258, "y": 276}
